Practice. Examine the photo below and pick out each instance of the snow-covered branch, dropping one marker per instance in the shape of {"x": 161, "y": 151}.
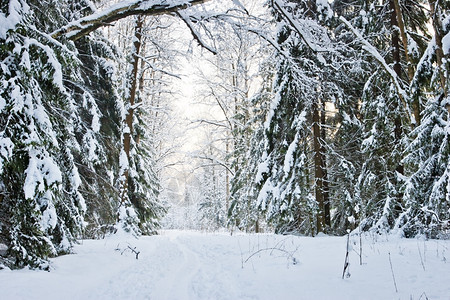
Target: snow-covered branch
{"x": 79, "y": 28}
{"x": 217, "y": 124}
{"x": 214, "y": 161}
{"x": 195, "y": 33}
{"x": 304, "y": 29}
{"x": 375, "y": 54}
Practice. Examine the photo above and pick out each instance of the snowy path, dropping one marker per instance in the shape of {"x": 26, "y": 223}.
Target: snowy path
{"x": 179, "y": 265}
{"x": 179, "y": 282}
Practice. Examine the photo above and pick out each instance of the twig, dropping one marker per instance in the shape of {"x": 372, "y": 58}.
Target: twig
{"x": 420, "y": 255}
{"x": 392, "y": 271}
{"x": 346, "y": 261}
{"x": 290, "y": 255}
{"x": 134, "y": 251}
{"x": 128, "y": 248}
{"x": 360, "y": 247}
{"x": 242, "y": 255}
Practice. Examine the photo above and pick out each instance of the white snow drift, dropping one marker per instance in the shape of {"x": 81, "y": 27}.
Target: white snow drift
{"x": 192, "y": 265}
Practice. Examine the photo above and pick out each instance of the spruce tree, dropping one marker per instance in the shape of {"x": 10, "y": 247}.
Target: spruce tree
{"x": 427, "y": 193}
{"x": 301, "y": 165}
{"x": 41, "y": 208}
{"x": 243, "y": 211}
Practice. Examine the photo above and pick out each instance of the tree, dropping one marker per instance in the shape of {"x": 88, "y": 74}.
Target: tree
{"x": 427, "y": 156}
{"x": 299, "y": 126}
{"x": 127, "y": 214}
{"x": 427, "y": 192}
{"x": 243, "y": 211}
{"x": 386, "y": 110}
{"x": 41, "y": 208}
{"x": 55, "y": 140}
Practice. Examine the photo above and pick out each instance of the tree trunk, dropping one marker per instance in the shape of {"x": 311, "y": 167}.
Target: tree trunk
{"x": 128, "y": 131}
{"x": 398, "y": 131}
{"x": 320, "y": 175}
{"x": 438, "y": 34}
{"x": 404, "y": 39}
{"x": 326, "y": 194}
{"x": 227, "y": 178}
{"x": 397, "y": 67}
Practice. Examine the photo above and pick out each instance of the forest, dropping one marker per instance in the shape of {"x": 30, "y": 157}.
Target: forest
{"x": 318, "y": 117}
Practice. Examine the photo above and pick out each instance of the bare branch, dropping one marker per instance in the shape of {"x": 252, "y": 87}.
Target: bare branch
{"x": 210, "y": 123}
{"x": 289, "y": 254}
{"x": 214, "y": 162}
{"x": 222, "y": 107}
{"x": 151, "y": 66}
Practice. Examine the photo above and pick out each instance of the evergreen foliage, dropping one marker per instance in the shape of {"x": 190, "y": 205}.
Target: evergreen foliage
{"x": 427, "y": 193}
{"x": 42, "y": 210}
{"x": 349, "y": 128}
{"x": 243, "y": 211}
{"x": 60, "y": 139}
{"x": 378, "y": 173}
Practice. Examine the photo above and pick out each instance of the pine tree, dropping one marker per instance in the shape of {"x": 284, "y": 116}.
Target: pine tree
{"x": 427, "y": 156}
{"x": 390, "y": 108}
{"x": 427, "y": 192}
{"x": 55, "y": 134}
{"x": 243, "y": 211}
{"x": 41, "y": 208}
{"x": 149, "y": 65}
{"x": 296, "y": 185}
{"x": 211, "y": 207}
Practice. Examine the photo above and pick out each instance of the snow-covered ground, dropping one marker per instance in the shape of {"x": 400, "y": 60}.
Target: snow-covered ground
{"x": 193, "y": 265}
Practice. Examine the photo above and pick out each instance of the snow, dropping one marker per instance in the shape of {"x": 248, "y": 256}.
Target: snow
{"x": 6, "y": 149}
{"x": 26, "y": 60}
{"x": 123, "y": 160}
{"x": 314, "y": 35}
{"x": 364, "y": 18}
{"x": 16, "y": 9}
{"x": 41, "y": 172}
{"x": 273, "y": 105}
{"x": 446, "y": 38}
{"x": 52, "y": 60}
{"x": 194, "y": 265}
{"x": 413, "y": 48}
{"x": 324, "y": 6}
{"x": 95, "y": 120}
{"x": 49, "y": 217}
{"x": 89, "y": 104}
{"x": 17, "y": 98}
{"x": 425, "y": 60}
{"x": 264, "y": 194}
{"x": 263, "y": 168}
{"x": 289, "y": 157}
{"x": 446, "y": 44}
{"x": 91, "y": 145}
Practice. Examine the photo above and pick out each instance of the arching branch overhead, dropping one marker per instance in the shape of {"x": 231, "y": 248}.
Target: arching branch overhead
{"x": 79, "y": 28}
